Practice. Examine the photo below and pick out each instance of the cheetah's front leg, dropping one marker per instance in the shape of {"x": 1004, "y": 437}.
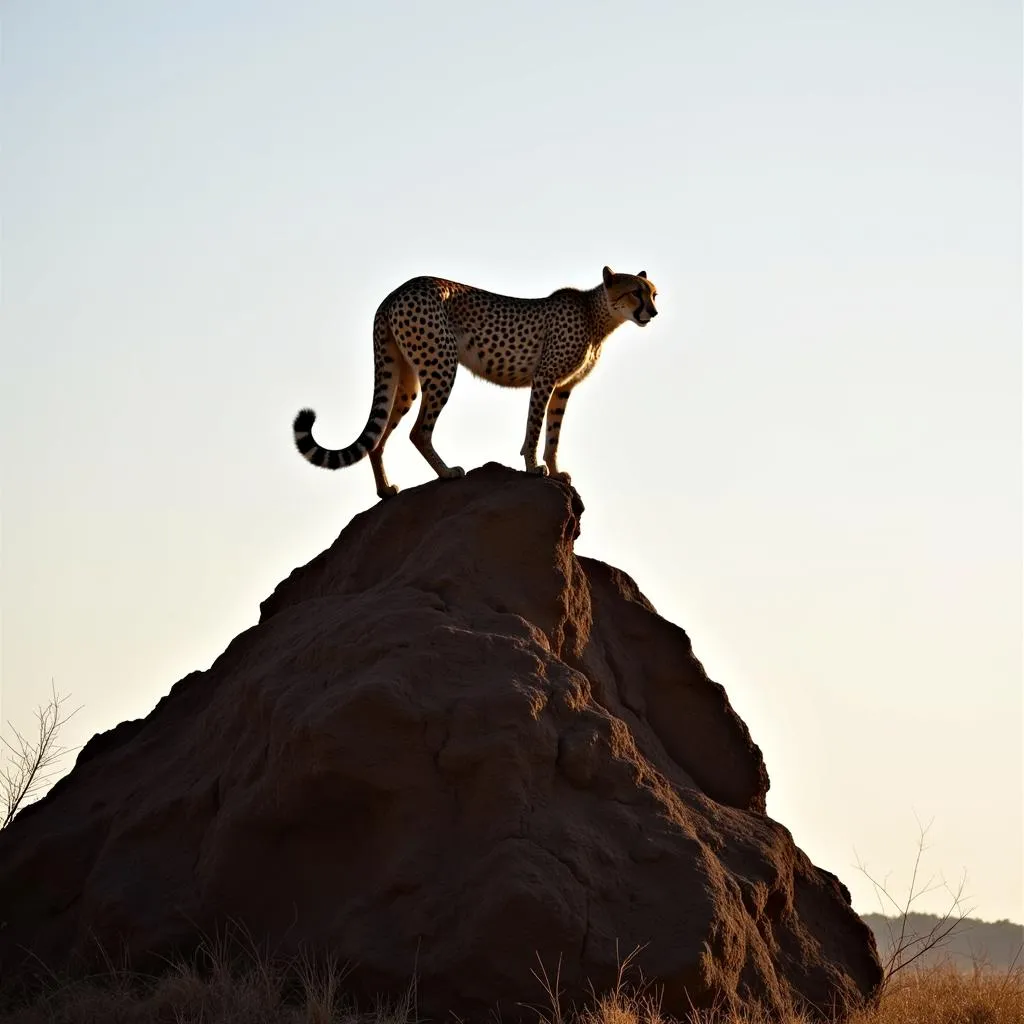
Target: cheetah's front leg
{"x": 540, "y": 395}
{"x": 556, "y": 410}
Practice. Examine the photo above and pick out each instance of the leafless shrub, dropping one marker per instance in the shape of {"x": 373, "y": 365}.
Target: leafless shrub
{"x": 32, "y": 761}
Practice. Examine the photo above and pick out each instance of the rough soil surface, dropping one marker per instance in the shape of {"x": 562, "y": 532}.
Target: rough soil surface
{"x": 452, "y": 747}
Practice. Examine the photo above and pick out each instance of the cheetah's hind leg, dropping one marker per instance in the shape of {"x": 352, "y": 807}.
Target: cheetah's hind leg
{"x": 408, "y": 389}
{"x": 436, "y": 383}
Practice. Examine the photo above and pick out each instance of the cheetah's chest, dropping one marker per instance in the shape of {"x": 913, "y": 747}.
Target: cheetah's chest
{"x": 579, "y": 365}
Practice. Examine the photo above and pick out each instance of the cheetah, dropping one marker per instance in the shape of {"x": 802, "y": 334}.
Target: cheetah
{"x": 426, "y": 327}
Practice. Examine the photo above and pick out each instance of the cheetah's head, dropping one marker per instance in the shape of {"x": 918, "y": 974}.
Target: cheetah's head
{"x": 631, "y": 297}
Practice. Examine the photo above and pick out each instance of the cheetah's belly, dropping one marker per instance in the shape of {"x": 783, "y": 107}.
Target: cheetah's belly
{"x": 509, "y": 362}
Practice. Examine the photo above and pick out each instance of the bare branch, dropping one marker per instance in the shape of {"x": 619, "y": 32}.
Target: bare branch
{"x": 904, "y": 948}
{"x": 32, "y": 763}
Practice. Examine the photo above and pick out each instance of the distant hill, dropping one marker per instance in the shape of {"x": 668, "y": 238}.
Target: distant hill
{"x": 994, "y": 943}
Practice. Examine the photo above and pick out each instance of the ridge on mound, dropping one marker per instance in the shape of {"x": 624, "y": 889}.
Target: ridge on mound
{"x": 449, "y": 746}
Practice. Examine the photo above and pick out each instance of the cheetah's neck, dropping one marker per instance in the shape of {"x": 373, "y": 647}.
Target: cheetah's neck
{"x": 599, "y": 313}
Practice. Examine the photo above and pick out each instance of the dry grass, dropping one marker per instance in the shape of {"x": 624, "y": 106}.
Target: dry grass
{"x": 185, "y": 996}
{"x": 945, "y": 995}
{"x": 301, "y": 993}
{"x": 230, "y": 980}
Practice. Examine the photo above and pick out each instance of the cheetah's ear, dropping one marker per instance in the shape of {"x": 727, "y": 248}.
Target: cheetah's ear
{"x": 643, "y": 274}
{"x": 608, "y": 275}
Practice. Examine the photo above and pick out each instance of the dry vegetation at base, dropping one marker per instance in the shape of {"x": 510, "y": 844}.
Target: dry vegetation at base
{"x": 300, "y": 994}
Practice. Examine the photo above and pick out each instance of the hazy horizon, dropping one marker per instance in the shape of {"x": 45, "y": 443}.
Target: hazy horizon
{"x": 811, "y": 460}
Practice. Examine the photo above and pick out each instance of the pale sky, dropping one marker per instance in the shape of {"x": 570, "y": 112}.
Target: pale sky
{"x": 811, "y": 460}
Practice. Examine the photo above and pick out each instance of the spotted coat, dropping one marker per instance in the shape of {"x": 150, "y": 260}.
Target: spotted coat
{"x": 424, "y": 329}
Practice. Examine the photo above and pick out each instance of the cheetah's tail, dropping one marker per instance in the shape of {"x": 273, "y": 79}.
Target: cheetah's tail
{"x": 336, "y": 458}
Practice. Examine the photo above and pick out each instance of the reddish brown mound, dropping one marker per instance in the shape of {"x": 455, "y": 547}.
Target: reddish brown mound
{"x": 450, "y": 745}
